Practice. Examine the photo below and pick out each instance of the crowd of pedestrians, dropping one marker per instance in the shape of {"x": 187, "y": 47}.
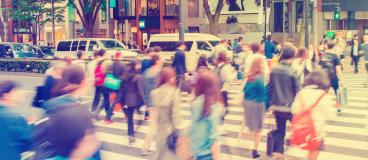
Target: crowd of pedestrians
{"x": 295, "y": 84}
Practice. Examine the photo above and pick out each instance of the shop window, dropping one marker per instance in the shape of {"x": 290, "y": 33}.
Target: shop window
{"x": 127, "y": 7}
{"x": 193, "y": 29}
{"x": 172, "y": 8}
{"x": 150, "y": 8}
{"x": 193, "y": 10}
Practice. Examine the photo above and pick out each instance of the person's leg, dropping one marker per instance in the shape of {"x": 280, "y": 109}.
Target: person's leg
{"x": 313, "y": 155}
{"x": 130, "y": 113}
{"x": 96, "y": 99}
{"x": 281, "y": 119}
{"x": 256, "y": 139}
{"x": 106, "y": 101}
{"x": 356, "y": 61}
{"x": 114, "y": 102}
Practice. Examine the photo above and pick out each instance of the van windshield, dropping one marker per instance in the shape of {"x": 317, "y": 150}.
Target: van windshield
{"x": 112, "y": 44}
{"x": 170, "y": 46}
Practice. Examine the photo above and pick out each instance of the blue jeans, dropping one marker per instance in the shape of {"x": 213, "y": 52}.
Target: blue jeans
{"x": 101, "y": 90}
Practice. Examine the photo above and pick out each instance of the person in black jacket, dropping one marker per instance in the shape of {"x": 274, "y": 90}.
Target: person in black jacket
{"x": 283, "y": 86}
{"x": 355, "y": 52}
{"x": 179, "y": 62}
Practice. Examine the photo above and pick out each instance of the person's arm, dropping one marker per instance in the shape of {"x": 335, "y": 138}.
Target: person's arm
{"x": 183, "y": 61}
{"x": 174, "y": 61}
{"x": 338, "y": 70}
{"x": 140, "y": 86}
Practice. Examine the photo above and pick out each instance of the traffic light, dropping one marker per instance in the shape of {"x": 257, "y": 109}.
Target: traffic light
{"x": 337, "y": 14}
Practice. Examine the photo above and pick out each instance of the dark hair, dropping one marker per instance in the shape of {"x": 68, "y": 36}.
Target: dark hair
{"x": 72, "y": 74}
{"x": 268, "y": 37}
{"x": 154, "y": 59}
{"x": 6, "y": 87}
{"x": 255, "y": 47}
{"x": 180, "y": 43}
{"x": 166, "y": 74}
{"x": 95, "y": 53}
{"x": 222, "y": 56}
{"x": 202, "y": 61}
{"x": 319, "y": 78}
{"x": 208, "y": 85}
{"x": 131, "y": 68}
{"x": 79, "y": 54}
{"x": 101, "y": 52}
{"x": 330, "y": 44}
{"x": 156, "y": 49}
{"x": 287, "y": 52}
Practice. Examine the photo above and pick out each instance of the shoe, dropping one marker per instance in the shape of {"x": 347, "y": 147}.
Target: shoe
{"x": 131, "y": 140}
{"x": 146, "y": 152}
{"x": 107, "y": 122}
{"x": 255, "y": 154}
{"x": 146, "y": 118}
{"x": 339, "y": 110}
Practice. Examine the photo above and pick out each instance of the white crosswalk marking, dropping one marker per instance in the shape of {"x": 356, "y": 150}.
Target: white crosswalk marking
{"x": 347, "y": 134}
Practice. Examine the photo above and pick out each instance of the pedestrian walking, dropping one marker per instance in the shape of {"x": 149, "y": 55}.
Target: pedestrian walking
{"x": 179, "y": 62}
{"x": 67, "y": 131}
{"x": 207, "y": 108}
{"x": 100, "y": 89}
{"x": 202, "y": 62}
{"x": 131, "y": 96}
{"x": 364, "y": 48}
{"x": 283, "y": 86}
{"x": 226, "y": 74}
{"x": 355, "y": 53}
{"x": 257, "y": 50}
{"x": 221, "y": 47}
{"x": 330, "y": 62}
{"x": 167, "y": 101}
{"x": 312, "y": 102}
{"x": 270, "y": 48}
{"x": 302, "y": 64}
{"x": 146, "y": 62}
{"x": 254, "y": 101}
{"x": 79, "y": 61}
{"x": 15, "y": 135}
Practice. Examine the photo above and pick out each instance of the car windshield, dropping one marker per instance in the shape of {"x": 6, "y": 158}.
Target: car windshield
{"x": 214, "y": 43}
{"x": 112, "y": 44}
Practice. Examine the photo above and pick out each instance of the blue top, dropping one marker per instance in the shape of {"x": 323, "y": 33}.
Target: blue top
{"x": 145, "y": 64}
{"x": 203, "y": 131}
{"x": 149, "y": 84}
{"x": 255, "y": 90}
{"x": 15, "y": 134}
{"x": 179, "y": 62}
{"x": 270, "y": 49}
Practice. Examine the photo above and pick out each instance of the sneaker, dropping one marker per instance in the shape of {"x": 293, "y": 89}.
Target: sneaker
{"x": 255, "y": 154}
{"x": 107, "y": 122}
{"x": 146, "y": 152}
{"x": 339, "y": 110}
{"x": 131, "y": 140}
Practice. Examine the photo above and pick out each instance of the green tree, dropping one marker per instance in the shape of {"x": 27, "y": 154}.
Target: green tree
{"x": 87, "y": 11}
{"x": 33, "y": 14}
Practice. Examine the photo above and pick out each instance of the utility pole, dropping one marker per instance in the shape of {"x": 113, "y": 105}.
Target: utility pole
{"x": 53, "y": 22}
{"x": 315, "y": 23}
{"x": 181, "y": 20}
{"x": 306, "y": 23}
{"x": 265, "y": 19}
{"x": 108, "y": 18}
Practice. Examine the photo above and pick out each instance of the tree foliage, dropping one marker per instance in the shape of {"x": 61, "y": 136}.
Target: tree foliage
{"x": 38, "y": 12}
{"x": 87, "y": 11}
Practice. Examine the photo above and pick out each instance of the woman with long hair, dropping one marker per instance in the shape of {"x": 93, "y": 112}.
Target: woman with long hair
{"x": 302, "y": 64}
{"x": 315, "y": 94}
{"x": 131, "y": 96}
{"x": 254, "y": 101}
{"x": 166, "y": 99}
{"x": 66, "y": 113}
{"x": 207, "y": 109}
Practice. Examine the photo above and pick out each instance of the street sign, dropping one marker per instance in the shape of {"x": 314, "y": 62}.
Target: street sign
{"x": 112, "y": 3}
{"x": 337, "y": 14}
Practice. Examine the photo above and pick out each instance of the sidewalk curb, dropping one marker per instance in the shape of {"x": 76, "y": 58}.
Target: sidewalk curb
{"x": 22, "y": 74}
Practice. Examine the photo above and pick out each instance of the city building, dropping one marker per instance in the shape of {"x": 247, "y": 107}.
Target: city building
{"x": 6, "y": 23}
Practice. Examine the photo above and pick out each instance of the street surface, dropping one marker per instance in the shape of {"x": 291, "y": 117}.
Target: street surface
{"x": 347, "y": 134}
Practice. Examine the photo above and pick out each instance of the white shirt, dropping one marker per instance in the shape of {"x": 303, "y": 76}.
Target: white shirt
{"x": 227, "y": 75}
{"x": 355, "y": 49}
{"x": 266, "y": 68}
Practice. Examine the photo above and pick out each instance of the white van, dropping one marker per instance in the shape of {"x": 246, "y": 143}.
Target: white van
{"x": 197, "y": 44}
{"x": 70, "y": 47}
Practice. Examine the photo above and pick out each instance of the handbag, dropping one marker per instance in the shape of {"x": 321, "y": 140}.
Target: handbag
{"x": 303, "y": 132}
{"x": 111, "y": 82}
{"x": 172, "y": 140}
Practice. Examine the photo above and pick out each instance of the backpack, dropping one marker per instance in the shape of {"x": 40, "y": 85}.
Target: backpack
{"x": 303, "y": 132}
{"x": 99, "y": 75}
{"x": 327, "y": 64}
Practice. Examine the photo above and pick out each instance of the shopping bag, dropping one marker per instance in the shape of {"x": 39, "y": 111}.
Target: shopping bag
{"x": 270, "y": 142}
{"x": 111, "y": 82}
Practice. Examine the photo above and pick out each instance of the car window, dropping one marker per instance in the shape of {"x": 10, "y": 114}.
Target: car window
{"x": 214, "y": 43}
{"x": 112, "y": 44}
{"x": 91, "y": 45}
{"x": 74, "y": 45}
{"x": 203, "y": 46}
{"x": 169, "y": 46}
{"x": 64, "y": 46}
{"x": 82, "y": 45}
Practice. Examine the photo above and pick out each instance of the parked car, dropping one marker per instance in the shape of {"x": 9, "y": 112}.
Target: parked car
{"x": 69, "y": 48}
{"x": 197, "y": 44}
{"x": 19, "y": 50}
{"x": 46, "y": 51}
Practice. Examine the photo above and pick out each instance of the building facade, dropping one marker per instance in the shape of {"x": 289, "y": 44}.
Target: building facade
{"x": 6, "y": 23}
